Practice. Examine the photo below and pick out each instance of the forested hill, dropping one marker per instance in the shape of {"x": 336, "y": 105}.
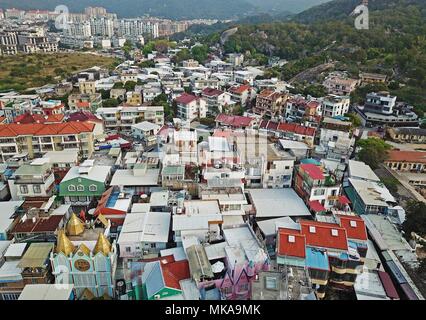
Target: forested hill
{"x": 341, "y": 9}
{"x": 394, "y": 45}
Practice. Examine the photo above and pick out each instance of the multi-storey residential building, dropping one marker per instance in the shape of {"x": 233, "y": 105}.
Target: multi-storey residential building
{"x": 190, "y": 107}
{"x": 244, "y": 77}
{"x": 124, "y": 117}
{"x": 334, "y": 106}
{"x": 216, "y": 100}
{"x": 381, "y": 103}
{"x": 241, "y": 94}
{"x": 81, "y": 29}
{"x": 32, "y": 180}
{"x": 279, "y": 168}
{"x": 87, "y": 87}
{"x": 85, "y": 102}
{"x": 338, "y": 85}
{"x": 37, "y": 139}
{"x": 325, "y": 249}
{"x": 318, "y": 189}
{"x": 269, "y": 103}
{"x": 103, "y": 27}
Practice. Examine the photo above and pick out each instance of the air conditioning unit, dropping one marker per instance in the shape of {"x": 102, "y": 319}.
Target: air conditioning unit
{"x": 157, "y": 297}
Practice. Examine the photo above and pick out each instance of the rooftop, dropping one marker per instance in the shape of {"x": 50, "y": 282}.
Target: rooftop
{"x": 359, "y": 170}
{"x": 269, "y": 203}
{"x": 145, "y": 227}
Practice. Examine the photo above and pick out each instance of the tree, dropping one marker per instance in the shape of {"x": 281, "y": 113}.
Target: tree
{"x": 200, "y": 53}
{"x": 130, "y": 85}
{"x": 415, "y": 219}
{"x": 110, "y": 103}
{"x": 373, "y": 151}
{"x": 104, "y": 93}
{"x": 147, "y": 64}
{"x": 355, "y": 119}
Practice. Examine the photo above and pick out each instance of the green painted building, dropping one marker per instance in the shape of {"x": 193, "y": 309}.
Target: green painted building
{"x": 84, "y": 183}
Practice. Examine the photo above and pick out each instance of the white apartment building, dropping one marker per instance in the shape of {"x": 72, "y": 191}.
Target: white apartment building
{"x": 190, "y": 107}
{"x": 334, "y": 106}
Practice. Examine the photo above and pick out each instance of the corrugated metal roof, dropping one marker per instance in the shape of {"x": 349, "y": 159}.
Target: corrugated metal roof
{"x": 36, "y": 255}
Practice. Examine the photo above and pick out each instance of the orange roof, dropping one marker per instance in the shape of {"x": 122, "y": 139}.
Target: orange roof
{"x": 407, "y": 156}
{"x": 83, "y": 104}
{"x": 354, "y": 226}
{"x": 240, "y": 89}
{"x": 27, "y": 118}
{"x": 38, "y": 129}
{"x": 291, "y": 244}
{"x": 323, "y": 235}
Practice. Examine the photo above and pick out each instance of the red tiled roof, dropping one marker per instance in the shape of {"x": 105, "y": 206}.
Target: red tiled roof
{"x": 38, "y": 129}
{"x": 296, "y": 128}
{"x": 354, "y": 226}
{"x": 406, "y": 156}
{"x": 235, "y": 121}
{"x": 316, "y": 206}
{"x": 313, "y": 171}
{"x": 297, "y": 248}
{"x": 27, "y": 118}
{"x": 83, "y": 115}
{"x": 41, "y": 225}
{"x": 186, "y": 98}
{"x": 83, "y": 104}
{"x": 211, "y": 92}
{"x": 175, "y": 272}
{"x": 323, "y": 237}
{"x": 239, "y": 89}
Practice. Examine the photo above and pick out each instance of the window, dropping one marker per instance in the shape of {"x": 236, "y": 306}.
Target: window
{"x": 153, "y": 245}
{"x": 128, "y": 249}
{"x": 312, "y": 229}
{"x": 36, "y": 188}
{"x": 24, "y": 189}
{"x": 291, "y": 239}
{"x": 353, "y": 224}
{"x": 93, "y": 188}
{"x": 80, "y": 187}
{"x": 71, "y": 188}
{"x": 334, "y": 232}
{"x": 271, "y": 283}
{"x": 319, "y": 192}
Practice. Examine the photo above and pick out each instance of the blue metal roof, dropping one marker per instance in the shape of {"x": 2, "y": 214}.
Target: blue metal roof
{"x": 317, "y": 259}
{"x": 396, "y": 272}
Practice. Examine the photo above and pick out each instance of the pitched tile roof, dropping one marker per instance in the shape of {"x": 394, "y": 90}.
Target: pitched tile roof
{"x": 291, "y": 244}
{"x": 186, "y": 98}
{"x": 406, "y": 156}
{"x": 38, "y": 129}
{"x": 324, "y": 235}
{"x": 235, "y": 121}
{"x": 175, "y": 272}
{"x": 211, "y": 92}
{"x": 83, "y": 116}
{"x": 27, "y": 118}
{"x": 313, "y": 171}
{"x": 354, "y": 226}
{"x": 296, "y": 128}
{"x": 239, "y": 89}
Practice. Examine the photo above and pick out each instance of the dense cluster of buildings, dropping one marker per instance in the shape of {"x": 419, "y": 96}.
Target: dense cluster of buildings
{"x": 231, "y": 188}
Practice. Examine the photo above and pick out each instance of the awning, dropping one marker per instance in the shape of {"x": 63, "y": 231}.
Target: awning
{"x": 316, "y": 206}
{"x": 344, "y": 200}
